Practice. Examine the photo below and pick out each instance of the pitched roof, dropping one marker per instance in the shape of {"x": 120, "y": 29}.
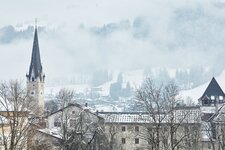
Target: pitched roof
{"x": 213, "y": 89}
{"x": 144, "y": 117}
{"x": 35, "y": 64}
{"x": 78, "y": 106}
{"x": 51, "y": 132}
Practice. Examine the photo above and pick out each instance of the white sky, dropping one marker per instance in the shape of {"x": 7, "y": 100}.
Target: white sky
{"x": 171, "y": 41}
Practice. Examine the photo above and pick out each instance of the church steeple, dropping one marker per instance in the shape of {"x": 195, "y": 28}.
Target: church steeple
{"x": 35, "y": 70}
{"x": 35, "y": 79}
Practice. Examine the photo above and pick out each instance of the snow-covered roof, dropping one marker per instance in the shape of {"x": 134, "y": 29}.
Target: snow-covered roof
{"x": 85, "y": 108}
{"x": 192, "y": 116}
{"x": 123, "y": 117}
{"x": 54, "y": 132}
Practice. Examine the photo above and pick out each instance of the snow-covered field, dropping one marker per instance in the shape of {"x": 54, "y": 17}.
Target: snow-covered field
{"x": 78, "y": 88}
{"x": 134, "y": 77}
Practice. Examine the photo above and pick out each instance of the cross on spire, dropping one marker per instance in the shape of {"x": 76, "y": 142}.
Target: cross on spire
{"x": 35, "y": 23}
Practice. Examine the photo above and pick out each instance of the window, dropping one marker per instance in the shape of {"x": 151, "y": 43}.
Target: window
{"x": 113, "y": 129}
{"x": 220, "y": 97}
{"x": 137, "y": 128}
{"x": 1, "y": 140}
{"x": 165, "y": 129}
{"x": 32, "y": 93}
{"x": 165, "y": 141}
{"x": 123, "y": 141}
{"x": 57, "y": 124}
{"x": 212, "y": 97}
{"x": 149, "y": 129}
{"x": 123, "y": 128}
{"x": 73, "y": 112}
{"x": 72, "y": 123}
{"x": 18, "y": 147}
{"x": 209, "y": 145}
{"x": 175, "y": 140}
{"x": 136, "y": 141}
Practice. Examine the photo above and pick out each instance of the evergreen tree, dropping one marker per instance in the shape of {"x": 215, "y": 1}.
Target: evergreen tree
{"x": 128, "y": 90}
{"x": 115, "y": 90}
{"x": 120, "y": 78}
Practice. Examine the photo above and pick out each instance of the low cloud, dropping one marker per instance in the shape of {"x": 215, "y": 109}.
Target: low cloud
{"x": 81, "y": 37}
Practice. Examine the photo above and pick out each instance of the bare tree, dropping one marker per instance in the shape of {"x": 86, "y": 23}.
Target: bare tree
{"x": 65, "y": 97}
{"x": 208, "y": 129}
{"x": 221, "y": 135}
{"x": 80, "y": 128}
{"x": 14, "y": 123}
{"x": 165, "y": 126}
{"x": 51, "y": 106}
{"x": 152, "y": 99}
{"x": 41, "y": 143}
{"x": 111, "y": 131}
{"x": 112, "y": 136}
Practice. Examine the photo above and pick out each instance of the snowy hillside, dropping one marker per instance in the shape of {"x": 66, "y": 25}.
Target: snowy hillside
{"x": 197, "y": 92}
{"x": 134, "y": 77}
{"x": 83, "y": 88}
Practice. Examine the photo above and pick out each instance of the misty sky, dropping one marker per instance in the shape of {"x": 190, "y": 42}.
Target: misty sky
{"x": 87, "y": 35}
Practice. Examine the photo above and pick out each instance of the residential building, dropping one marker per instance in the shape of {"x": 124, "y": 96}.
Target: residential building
{"x": 135, "y": 130}
{"x": 74, "y": 125}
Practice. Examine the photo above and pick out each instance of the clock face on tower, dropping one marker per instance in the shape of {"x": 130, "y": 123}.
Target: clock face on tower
{"x": 41, "y": 92}
{"x": 32, "y": 93}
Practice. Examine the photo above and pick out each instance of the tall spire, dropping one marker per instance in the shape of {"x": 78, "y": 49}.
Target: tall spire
{"x": 35, "y": 70}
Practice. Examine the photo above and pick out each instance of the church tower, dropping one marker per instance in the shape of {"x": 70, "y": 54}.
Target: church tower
{"x": 36, "y": 78}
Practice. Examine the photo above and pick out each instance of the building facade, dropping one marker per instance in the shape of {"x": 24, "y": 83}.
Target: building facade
{"x": 139, "y": 131}
{"x": 73, "y": 127}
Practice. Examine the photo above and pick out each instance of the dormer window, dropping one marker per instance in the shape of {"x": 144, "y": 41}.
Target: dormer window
{"x": 212, "y": 97}
{"x": 220, "y": 97}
